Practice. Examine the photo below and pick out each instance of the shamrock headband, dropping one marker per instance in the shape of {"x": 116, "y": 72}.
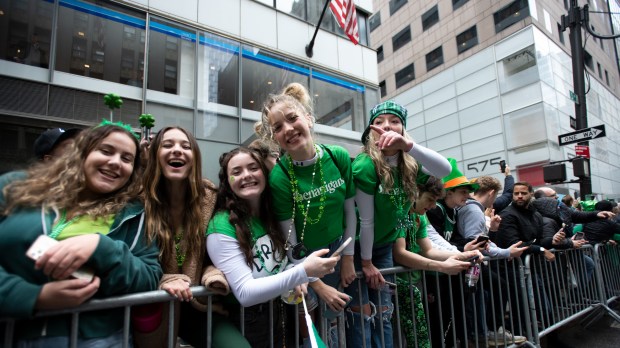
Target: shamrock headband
{"x": 125, "y": 126}
{"x": 387, "y": 107}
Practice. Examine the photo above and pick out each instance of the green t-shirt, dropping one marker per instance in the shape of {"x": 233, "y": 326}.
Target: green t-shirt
{"x": 387, "y": 202}
{"x": 265, "y": 263}
{"x": 337, "y": 186}
{"x": 418, "y": 231}
{"x": 86, "y": 225}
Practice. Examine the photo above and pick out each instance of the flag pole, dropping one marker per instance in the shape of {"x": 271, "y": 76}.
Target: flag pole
{"x": 309, "y": 46}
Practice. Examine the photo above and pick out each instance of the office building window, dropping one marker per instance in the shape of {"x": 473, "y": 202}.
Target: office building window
{"x": 172, "y": 58}
{"x": 430, "y": 18}
{"x": 395, "y": 5}
{"x": 560, "y": 33}
{"x": 401, "y": 38}
{"x": 602, "y": 43}
{"x": 458, "y": 3}
{"x": 382, "y": 88}
{"x": 434, "y": 58}
{"x": 218, "y": 72}
{"x": 600, "y": 72}
{"x": 518, "y": 70}
{"x": 467, "y": 39}
{"x": 102, "y": 41}
{"x": 510, "y": 14}
{"x": 380, "y": 54}
{"x": 374, "y": 22}
{"x": 337, "y": 104}
{"x": 607, "y": 77}
{"x": 404, "y": 75}
{"x": 26, "y": 31}
{"x": 588, "y": 61}
{"x": 566, "y": 4}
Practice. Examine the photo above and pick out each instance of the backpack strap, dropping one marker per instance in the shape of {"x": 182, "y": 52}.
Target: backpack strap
{"x": 326, "y": 149}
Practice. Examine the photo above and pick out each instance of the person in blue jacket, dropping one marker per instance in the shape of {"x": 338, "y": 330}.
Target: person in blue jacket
{"x": 87, "y": 201}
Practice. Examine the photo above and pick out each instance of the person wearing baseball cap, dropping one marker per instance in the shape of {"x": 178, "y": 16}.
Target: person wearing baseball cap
{"x": 53, "y": 142}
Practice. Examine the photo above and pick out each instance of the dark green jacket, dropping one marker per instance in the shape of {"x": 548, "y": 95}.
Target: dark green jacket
{"x": 122, "y": 259}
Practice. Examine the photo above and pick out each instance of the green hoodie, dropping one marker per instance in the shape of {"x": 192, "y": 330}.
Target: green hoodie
{"x": 122, "y": 259}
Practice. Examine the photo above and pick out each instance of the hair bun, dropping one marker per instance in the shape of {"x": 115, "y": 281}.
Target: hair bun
{"x": 299, "y": 92}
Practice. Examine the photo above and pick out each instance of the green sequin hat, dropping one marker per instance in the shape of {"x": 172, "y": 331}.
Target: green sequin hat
{"x": 387, "y": 107}
{"x": 457, "y": 179}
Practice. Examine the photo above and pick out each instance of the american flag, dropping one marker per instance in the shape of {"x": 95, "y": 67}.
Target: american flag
{"x": 346, "y": 16}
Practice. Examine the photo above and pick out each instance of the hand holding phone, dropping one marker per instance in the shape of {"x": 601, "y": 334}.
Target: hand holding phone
{"x": 578, "y": 236}
{"x": 482, "y": 238}
{"x": 341, "y": 248}
{"x": 502, "y": 166}
{"x": 43, "y": 243}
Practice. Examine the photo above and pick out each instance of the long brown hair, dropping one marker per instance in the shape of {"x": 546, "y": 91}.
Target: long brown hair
{"x": 239, "y": 209}
{"x": 157, "y": 201}
{"x": 59, "y": 184}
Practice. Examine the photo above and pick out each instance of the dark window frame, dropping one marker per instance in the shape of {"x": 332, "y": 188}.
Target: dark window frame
{"x": 456, "y": 4}
{"x": 505, "y": 17}
{"x": 374, "y": 22}
{"x": 561, "y": 34}
{"x": 382, "y": 89}
{"x": 430, "y": 18}
{"x": 380, "y": 55}
{"x": 465, "y": 40}
{"x": 434, "y": 58}
{"x": 404, "y": 75}
{"x": 401, "y": 38}
{"x": 395, "y": 5}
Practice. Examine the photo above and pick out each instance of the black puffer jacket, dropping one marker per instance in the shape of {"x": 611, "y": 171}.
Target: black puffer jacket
{"x": 600, "y": 231}
{"x": 552, "y": 222}
{"x": 520, "y": 224}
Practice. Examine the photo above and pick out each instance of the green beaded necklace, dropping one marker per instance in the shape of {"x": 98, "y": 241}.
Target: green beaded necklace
{"x": 62, "y": 224}
{"x": 399, "y": 201}
{"x": 297, "y": 196}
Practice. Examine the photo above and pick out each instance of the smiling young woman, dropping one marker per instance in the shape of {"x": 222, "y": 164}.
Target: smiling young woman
{"x": 88, "y": 201}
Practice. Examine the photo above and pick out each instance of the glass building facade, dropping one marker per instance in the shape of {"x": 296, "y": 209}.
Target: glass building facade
{"x": 211, "y": 84}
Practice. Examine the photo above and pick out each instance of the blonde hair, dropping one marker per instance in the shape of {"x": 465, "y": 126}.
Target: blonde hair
{"x": 58, "y": 185}
{"x": 294, "y": 95}
{"x": 407, "y": 166}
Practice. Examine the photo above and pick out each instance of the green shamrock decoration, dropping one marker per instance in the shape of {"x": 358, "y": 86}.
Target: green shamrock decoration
{"x": 112, "y": 101}
{"x": 146, "y": 120}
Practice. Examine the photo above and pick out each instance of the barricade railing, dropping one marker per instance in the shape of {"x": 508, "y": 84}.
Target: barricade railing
{"x": 528, "y": 298}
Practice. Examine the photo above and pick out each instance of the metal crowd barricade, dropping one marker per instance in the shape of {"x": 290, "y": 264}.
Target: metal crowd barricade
{"x": 530, "y": 298}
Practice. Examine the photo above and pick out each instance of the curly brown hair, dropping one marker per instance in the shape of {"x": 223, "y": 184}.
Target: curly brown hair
{"x": 60, "y": 184}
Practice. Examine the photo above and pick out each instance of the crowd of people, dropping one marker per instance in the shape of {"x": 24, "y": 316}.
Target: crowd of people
{"x": 105, "y": 213}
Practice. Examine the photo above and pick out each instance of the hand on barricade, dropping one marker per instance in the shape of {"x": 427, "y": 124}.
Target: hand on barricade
{"x": 578, "y": 243}
{"x": 453, "y": 265}
{"x": 390, "y": 140}
{"x": 178, "y": 288}
{"x": 612, "y": 242}
{"x": 67, "y": 293}
{"x": 335, "y": 299}
{"x": 549, "y": 256}
{"x": 516, "y": 250}
{"x": 558, "y": 237}
{"x": 66, "y": 257}
{"x": 374, "y": 278}
{"x": 347, "y": 270}
{"x": 318, "y": 266}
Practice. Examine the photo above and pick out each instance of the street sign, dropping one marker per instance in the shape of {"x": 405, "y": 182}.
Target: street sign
{"x": 573, "y": 122}
{"x": 582, "y": 135}
{"x": 582, "y": 150}
{"x": 573, "y": 97}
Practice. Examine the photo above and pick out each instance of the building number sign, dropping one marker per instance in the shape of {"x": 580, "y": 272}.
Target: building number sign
{"x": 480, "y": 166}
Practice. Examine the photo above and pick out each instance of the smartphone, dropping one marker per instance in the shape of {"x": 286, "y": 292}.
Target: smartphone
{"x": 502, "y": 166}
{"x": 482, "y": 238}
{"x": 473, "y": 258}
{"x": 43, "y": 243}
{"x": 528, "y": 243}
{"x": 341, "y": 248}
{"x": 579, "y": 236}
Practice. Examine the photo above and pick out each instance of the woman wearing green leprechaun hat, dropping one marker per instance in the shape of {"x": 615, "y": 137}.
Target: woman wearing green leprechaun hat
{"x": 385, "y": 176}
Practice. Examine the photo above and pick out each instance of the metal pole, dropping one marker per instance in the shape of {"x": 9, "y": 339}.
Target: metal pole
{"x": 575, "y": 19}
{"x": 309, "y": 46}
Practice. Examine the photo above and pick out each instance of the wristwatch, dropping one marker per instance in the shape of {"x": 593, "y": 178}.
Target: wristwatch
{"x": 542, "y": 250}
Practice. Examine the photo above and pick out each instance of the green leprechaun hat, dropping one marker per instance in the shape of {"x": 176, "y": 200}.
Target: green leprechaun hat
{"x": 457, "y": 179}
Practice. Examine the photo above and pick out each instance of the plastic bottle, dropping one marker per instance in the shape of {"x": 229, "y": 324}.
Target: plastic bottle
{"x": 471, "y": 278}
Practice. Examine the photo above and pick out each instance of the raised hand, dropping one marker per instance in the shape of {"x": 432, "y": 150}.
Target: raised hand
{"x": 390, "y": 140}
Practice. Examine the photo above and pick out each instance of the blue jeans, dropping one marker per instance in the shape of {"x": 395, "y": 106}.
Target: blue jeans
{"x": 381, "y": 299}
{"x": 113, "y": 341}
